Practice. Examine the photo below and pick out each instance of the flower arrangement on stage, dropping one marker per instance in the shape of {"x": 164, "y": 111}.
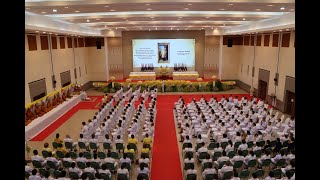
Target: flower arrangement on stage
{"x": 170, "y": 85}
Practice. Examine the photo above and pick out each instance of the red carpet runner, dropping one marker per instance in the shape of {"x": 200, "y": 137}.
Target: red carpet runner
{"x": 165, "y": 157}
{"x": 82, "y": 105}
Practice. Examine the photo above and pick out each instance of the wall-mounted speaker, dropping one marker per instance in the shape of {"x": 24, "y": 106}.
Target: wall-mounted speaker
{"x": 54, "y": 82}
{"x": 98, "y": 44}
{"x": 230, "y": 42}
{"x": 276, "y": 78}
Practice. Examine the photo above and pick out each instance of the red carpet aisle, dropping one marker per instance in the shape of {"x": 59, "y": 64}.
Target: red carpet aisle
{"x": 82, "y": 105}
{"x": 165, "y": 157}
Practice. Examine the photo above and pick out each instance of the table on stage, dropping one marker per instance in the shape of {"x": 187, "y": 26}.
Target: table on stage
{"x": 40, "y": 123}
{"x": 185, "y": 75}
{"x": 142, "y": 76}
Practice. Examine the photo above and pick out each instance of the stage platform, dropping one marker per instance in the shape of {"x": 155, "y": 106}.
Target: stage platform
{"x": 185, "y": 75}
{"x": 142, "y": 76}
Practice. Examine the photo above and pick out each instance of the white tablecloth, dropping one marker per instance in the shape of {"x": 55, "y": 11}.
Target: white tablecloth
{"x": 142, "y": 75}
{"x": 185, "y": 75}
{"x": 39, "y": 124}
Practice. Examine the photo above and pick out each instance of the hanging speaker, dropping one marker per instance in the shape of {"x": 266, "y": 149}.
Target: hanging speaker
{"x": 230, "y": 42}
{"x": 98, "y": 44}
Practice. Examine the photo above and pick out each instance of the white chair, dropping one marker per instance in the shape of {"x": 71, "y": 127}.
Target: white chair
{"x": 271, "y": 110}
{"x": 277, "y": 114}
{"x": 282, "y": 117}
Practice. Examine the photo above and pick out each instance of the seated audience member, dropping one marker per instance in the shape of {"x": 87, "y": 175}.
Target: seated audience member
{"x": 46, "y": 148}
{"x": 132, "y": 140}
{"x": 82, "y": 139}
{"x": 243, "y": 146}
{"x": 278, "y": 157}
{"x": 104, "y": 170}
{"x": 125, "y": 159}
{"x": 67, "y": 158}
{"x": 94, "y": 140}
{"x": 34, "y": 175}
{"x": 147, "y": 140}
{"x": 271, "y": 176}
{"x": 75, "y": 169}
{"x": 209, "y": 170}
{"x": 62, "y": 149}
{"x": 123, "y": 170}
{"x": 191, "y": 170}
{"x": 126, "y": 150}
{"x": 43, "y": 108}
{"x": 47, "y": 176}
{"x": 27, "y": 168}
{"x": 49, "y": 105}
{"x": 237, "y": 157}
{"x": 63, "y": 175}
{"x": 38, "y": 111}
{"x": 29, "y": 116}
{"x": 145, "y": 149}
{"x": 81, "y": 158}
{"x": 254, "y": 177}
{"x": 36, "y": 157}
{"x": 89, "y": 169}
{"x": 278, "y": 146}
{"x": 249, "y": 157}
{"x": 202, "y": 149}
{"x": 53, "y": 159}
{"x": 58, "y": 139}
{"x": 223, "y": 158}
{"x": 142, "y": 169}
{"x": 68, "y": 139}
{"x": 227, "y": 167}
{"x": 109, "y": 159}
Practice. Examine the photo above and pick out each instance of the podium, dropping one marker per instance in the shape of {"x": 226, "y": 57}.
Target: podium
{"x": 164, "y": 73}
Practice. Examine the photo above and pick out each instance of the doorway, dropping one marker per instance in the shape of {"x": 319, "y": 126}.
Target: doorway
{"x": 290, "y": 103}
{"x": 262, "y": 89}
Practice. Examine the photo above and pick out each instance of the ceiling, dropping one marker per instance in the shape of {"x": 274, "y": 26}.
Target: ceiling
{"x": 159, "y": 15}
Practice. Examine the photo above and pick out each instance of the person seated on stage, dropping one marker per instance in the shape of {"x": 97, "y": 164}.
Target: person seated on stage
{"x": 64, "y": 96}
{"x": 58, "y": 139}
{"x": 29, "y": 115}
{"x": 38, "y": 111}
{"x": 44, "y": 109}
{"x": 54, "y": 101}
{"x": 68, "y": 94}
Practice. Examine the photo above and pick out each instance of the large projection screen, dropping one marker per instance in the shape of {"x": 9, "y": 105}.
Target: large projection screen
{"x": 163, "y": 52}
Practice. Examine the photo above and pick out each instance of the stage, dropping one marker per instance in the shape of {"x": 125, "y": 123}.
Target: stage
{"x": 177, "y": 75}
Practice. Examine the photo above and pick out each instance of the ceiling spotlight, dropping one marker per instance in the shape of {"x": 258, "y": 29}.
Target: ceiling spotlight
{"x": 54, "y": 10}
{"x": 280, "y": 30}
{"x": 274, "y": 31}
{"x": 37, "y": 31}
{"x": 221, "y": 9}
{"x": 287, "y": 29}
{"x": 178, "y": 29}
{"x": 149, "y": 29}
{"x": 43, "y": 12}
{"x": 230, "y": 4}
{"x": 112, "y": 10}
{"x": 186, "y": 8}
{"x": 77, "y": 11}
{"x": 140, "y": 28}
{"x": 216, "y": 28}
{"x": 127, "y": 20}
{"x": 50, "y": 33}
{"x": 291, "y": 9}
{"x": 147, "y": 4}
{"x": 228, "y": 19}
{"x": 244, "y": 19}
{"x": 97, "y": 19}
{"x": 43, "y": 32}
{"x": 106, "y": 6}
{"x": 258, "y": 9}
{"x": 56, "y": 34}
{"x": 149, "y": 9}
{"x": 207, "y": 17}
{"x": 66, "y": 7}
{"x": 88, "y": 20}
{"x": 282, "y": 8}
{"x": 270, "y": 5}
{"x": 189, "y": 4}
{"x": 116, "y": 28}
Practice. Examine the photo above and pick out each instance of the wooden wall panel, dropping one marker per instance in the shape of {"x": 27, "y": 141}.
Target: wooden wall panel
{"x": 54, "y": 42}
{"x": 285, "y": 40}
{"x": 252, "y": 40}
{"x": 238, "y": 40}
{"x": 266, "y": 40}
{"x": 44, "y": 42}
{"x": 62, "y": 42}
{"x": 69, "y": 39}
{"x": 75, "y": 41}
{"x": 275, "y": 40}
{"x": 32, "y": 42}
{"x": 81, "y": 43}
{"x": 259, "y": 40}
{"x": 246, "y": 40}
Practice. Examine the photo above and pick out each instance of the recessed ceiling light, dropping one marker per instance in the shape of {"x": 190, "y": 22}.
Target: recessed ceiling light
{"x": 270, "y": 5}
{"x": 291, "y": 9}
{"x": 280, "y": 30}
{"x": 105, "y": 26}
{"x": 258, "y": 9}
{"x": 127, "y": 20}
{"x": 179, "y": 17}
{"x": 207, "y": 17}
{"x": 244, "y": 19}
{"x": 106, "y": 6}
{"x": 77, "y": 11}
{"x": 189, "y": 4}
{"x": 66, "y": 7}
{"x": 274, "y": 31}
{"x": 186, "y": 8}
{"x": 149, "y": 9}
{"x": 149, "y": 29}
{"x": 178, "y": 29}
{"x": 97, "y": 19}
{"x": 37, "y": 31}
{"x": 230, "y": 4}
{"x": 112, "y": 10}
{"x": 43, "y": 12}
{"x": 151, "y": 17}
{"x": 56, "y": 34}
{"x": 43, "y": 32}
{"x": 88, "y": 20}
{"x": 116, "y": 28}
{"x": 287, "y": 29}
{"x": 50, "y": 33}
{"x": 54, "y": 10}
{"x": 147, "y": 4}
{"x": 140, "y": 28}
{"x": 282, "y": 8}
{"x": 71, "y": 20}
{"x": 228, "y": 19}
{"x": 221, "y": 9}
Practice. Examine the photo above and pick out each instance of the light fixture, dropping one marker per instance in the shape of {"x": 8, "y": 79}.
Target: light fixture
{"x": 178, "y": 29}
{"x": 140, "y": 28}
{"x": 50, "y": 33}
{"x": 280, "y": 30}
{"x": 112, "y": 10}
{"x": 77, "y": 11}
{"x": 149, "y": 29}
{"x": 228, "y": 19}
{"x": 186, "y": 8}
{"x": 54, "y": 10}
{"x": 149, "y": 9}
{"x": 43, "y": 32}
{"x": 244, "y": 19}
{"x": 258, "y": 9}
{"x": 97, "y": 19}
{"x": 106, "y": 6}
{"x": 282, "y": 8}
{"x": 88, "y": 20}
{"x": 291, "y": 9}
{"x": 116, "y": 28}
{"x": 56, "y": 34}
{"x": 151, "y": 17}
{"x": 207, "y": 17}
{"x": 221, "y": 9}
{"x": 66, "y": 7}
{"x": 270, "y": 5}
{"x": 37, "y": 31}
{"x": 179, "y": 17}
{"x": 43, "y": 12}
{"x": 147, "y": 4}
{"x": 230, "y": 4}
{"x": 127, "y": 20}
{"x": 105, "y": 25}
{"x": 274, "y": 31}
{"x": 287, "y": 29}
{"x": 71, "y": 20}
{"x": 216, "y": 28}
{"x": 189, "y": 4}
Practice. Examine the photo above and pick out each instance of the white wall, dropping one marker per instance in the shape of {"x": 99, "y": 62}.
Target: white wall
{"x": 96, "y": 64}
{"x": 230, "y": 62}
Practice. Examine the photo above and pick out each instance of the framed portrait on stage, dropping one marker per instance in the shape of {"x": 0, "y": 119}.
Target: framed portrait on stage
{"x": 163, "y": 52}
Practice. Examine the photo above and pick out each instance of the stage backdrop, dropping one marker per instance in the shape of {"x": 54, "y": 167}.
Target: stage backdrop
{"x": 163, "y": 52}
{"x": 127, "y": 49}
